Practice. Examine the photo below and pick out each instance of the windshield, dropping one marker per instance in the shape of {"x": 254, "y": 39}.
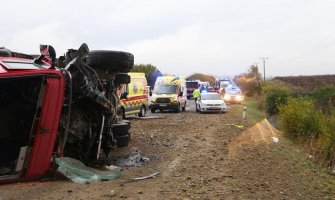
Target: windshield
{"x": 207, "y": 96}
{"x": 224, "y": 83}
{"x": 22, "y": 65}
{"x": 234, "y": 92}
{"x": 192, "y": 84}
{"x": 165, "y": 89}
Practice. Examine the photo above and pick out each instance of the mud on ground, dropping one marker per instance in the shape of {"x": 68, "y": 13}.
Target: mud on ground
{"x": 199, "y": 156}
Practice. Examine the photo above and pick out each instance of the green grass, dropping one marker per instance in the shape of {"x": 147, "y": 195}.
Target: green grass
{"x": 253, "y": 114}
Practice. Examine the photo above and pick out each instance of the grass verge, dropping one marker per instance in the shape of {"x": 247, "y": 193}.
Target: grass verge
{"x": 253, "y": 114}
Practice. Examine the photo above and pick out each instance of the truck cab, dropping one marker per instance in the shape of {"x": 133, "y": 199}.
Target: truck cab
{"x": 191, "y": 86}
{"x": 53, "y": 109}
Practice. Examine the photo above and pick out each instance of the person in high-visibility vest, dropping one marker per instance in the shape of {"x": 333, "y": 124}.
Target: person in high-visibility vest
{"x": 196, "y": 94}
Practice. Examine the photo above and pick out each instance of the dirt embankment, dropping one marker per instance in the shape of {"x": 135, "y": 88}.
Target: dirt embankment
{"x": 308, "y": 82}
{"x": 199, "y": 156}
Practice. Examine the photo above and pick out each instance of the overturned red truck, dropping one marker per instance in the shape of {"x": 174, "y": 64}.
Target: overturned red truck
{"x": 53, "y": 107}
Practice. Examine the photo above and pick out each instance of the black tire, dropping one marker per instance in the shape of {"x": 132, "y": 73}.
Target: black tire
{"x": 122, "y": 141}
{"x": 125, "y": 122}
{"x": 153, "y": 110}
{"x": 177, "y": 110}
{"x": 117, "y": 61}
{"x": 120, "y": 129}
{"x": 184, "y": 108}
{"x": 5, "y": 52}
{"x": 142, "y": 112}
{"x": 122, "y": 113}
{"x": 122, "y": 78}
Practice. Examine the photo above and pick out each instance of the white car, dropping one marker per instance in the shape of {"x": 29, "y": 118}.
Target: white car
{"x": 233, "y": 95}
{"x": 210, "y": 102}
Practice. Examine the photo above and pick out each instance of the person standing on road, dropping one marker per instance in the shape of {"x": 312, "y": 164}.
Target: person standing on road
{"x": 196, "y": 94}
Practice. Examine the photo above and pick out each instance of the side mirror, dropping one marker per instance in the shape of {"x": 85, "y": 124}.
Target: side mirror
{"x": 150, "y": 93}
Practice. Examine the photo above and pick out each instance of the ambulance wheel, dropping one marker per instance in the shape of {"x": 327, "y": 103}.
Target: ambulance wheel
{"x": 142, "y": 112}
{"x": 153, "y": 110}
{"x": 111, "y": 60}
{"x": 184, "y": 107}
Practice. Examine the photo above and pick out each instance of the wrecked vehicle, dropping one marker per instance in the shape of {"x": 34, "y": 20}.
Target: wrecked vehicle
{"x": 59, "y": 107}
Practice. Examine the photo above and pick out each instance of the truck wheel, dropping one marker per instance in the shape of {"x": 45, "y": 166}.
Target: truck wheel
{"x": 142, "y": 112}
{"x": 125, "y": 122}
{"x": 153, "y": 110}
{"x": 120, "y": 129}
{"x": 122, "y": 141}
{"x": 122, "y": 78}
{"x": 110, "y": 60}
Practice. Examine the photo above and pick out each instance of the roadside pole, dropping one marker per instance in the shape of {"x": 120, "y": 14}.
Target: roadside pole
{"x": 244, "y": 112}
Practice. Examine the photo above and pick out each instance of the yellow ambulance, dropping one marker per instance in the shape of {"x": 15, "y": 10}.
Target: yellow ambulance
{"x": 169, "y": 93}
{"x": 134, "y": 95}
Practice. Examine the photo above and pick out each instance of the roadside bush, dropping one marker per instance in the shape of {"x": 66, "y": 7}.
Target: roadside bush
{"x": 299, "y": 119}
{"x": 274, "y": 97}
{"x": 325, "y": 99}
{"x": 326, "y": 141}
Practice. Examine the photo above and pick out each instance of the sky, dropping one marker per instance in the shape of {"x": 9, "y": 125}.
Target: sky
{"x": 182, "y": 37}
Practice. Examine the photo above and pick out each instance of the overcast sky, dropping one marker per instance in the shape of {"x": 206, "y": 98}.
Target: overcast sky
{"x": 182, "y": 37}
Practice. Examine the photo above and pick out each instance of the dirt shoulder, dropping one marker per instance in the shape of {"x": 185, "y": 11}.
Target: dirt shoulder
{"x": 199, "y": 156}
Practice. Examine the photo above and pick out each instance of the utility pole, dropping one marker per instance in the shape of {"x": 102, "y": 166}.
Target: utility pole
{"x": 264, "y": 65}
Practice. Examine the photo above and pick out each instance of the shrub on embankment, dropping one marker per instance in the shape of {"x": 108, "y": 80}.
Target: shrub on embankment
{"x": 311, "y": 121}
{"x": 274, "y": 97}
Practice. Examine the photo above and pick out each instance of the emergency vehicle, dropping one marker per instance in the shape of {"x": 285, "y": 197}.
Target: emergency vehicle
{"x": 169, "y": 93}
{"x": 191, "y": 86}
{"x": 134, "y": 95}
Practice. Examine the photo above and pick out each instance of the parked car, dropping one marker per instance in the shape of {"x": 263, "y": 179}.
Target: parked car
{"x": 49, "y": 109}
{"x": 233, "y": 95}
{"x": 210, "y": 102}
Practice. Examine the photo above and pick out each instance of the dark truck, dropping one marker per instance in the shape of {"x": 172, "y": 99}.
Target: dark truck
{"x": 59, "y": 107}
{"x": 191, "y": 86}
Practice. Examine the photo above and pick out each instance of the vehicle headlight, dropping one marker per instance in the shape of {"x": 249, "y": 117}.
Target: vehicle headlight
{"x": 174, "y": 98}
{"x": 153, "y": 99}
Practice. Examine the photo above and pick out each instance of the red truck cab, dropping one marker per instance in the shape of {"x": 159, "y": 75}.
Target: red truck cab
{"x": 52, "y": 109}
{"x": 191, "y": 86}
{"x": 31, "y": 99}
